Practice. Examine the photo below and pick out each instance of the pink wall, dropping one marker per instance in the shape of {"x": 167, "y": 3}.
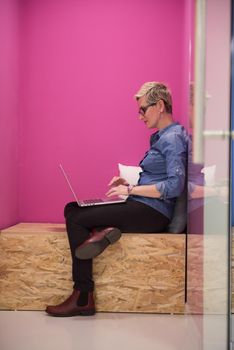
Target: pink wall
{"x": 9, "y": 92}
{"x": 81, "y": 63}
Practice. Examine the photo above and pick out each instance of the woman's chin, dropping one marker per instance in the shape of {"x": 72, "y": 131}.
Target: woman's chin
{"x": 149, "y": 126}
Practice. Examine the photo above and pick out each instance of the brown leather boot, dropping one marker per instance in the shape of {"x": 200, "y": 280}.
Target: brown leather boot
{"x": 70, "y": 307}
{"x": 97, "y": 242}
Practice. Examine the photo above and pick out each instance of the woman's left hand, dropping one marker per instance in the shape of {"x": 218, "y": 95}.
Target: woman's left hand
{"x": 118, "y": 190}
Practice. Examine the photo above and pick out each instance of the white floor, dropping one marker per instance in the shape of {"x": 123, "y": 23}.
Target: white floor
{"x": 34, "y": 330}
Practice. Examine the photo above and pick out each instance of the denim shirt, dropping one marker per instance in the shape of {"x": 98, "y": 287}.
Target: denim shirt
{"x": 164, "y": 165}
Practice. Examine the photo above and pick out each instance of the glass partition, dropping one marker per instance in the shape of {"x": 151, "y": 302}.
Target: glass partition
{"x": 208, "y": 263}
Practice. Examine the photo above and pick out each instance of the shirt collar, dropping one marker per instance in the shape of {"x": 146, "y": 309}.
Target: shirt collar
{"x": 161, "y": 131}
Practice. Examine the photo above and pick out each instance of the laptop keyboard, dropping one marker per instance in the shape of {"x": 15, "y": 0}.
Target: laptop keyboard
{"x": 92, "y": 201}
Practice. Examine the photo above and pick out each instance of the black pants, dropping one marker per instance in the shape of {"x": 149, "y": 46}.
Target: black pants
{"x": 131, "y": 216}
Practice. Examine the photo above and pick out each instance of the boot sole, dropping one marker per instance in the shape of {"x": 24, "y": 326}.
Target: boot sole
{"x": 94, "y": 249}
{"x": 78, "y": 313}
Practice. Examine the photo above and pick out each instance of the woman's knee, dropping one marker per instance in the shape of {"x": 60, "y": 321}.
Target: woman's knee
{"x": 69, "y": 208}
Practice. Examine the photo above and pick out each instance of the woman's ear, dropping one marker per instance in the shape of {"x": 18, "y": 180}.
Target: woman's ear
{"x": 161, "y": 105}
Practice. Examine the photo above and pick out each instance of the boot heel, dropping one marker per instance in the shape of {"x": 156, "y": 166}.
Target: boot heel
{"x": 88, "y": 312}
{"x": 114, "y": 235}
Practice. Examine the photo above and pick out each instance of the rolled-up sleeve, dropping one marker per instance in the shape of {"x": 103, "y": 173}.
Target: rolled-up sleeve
{"x": 174, "y": 149}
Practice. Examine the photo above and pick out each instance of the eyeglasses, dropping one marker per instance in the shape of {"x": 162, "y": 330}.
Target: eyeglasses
{"x": 143, "y": 109}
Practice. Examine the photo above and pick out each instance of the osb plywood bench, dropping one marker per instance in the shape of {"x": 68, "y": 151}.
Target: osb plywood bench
{"x": 140, "y": 273}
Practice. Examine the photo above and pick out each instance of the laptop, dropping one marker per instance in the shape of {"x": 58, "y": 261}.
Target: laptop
{"x": 91, "y": 202}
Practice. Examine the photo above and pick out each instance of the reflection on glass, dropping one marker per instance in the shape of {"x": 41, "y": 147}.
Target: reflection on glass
{"x": 208, "y": 194}
{"x": 208, "y": 186}
{"x": 205, "y": 189}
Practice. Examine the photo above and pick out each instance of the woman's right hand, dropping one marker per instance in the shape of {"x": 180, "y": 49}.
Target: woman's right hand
{"x": 117, "y": 180}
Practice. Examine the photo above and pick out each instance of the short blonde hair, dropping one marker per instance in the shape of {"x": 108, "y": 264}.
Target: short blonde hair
{"x": 155, "y": 91}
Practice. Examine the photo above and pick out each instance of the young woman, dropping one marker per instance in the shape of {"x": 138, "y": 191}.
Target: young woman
{"x": 149, "y": 207}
